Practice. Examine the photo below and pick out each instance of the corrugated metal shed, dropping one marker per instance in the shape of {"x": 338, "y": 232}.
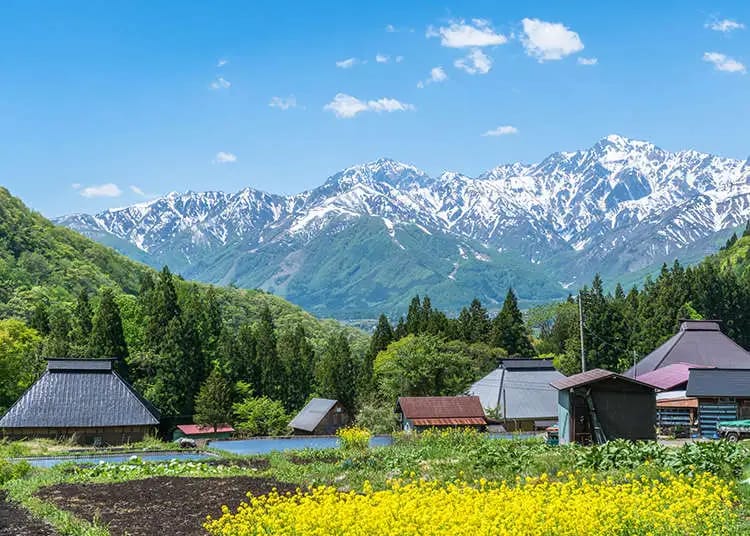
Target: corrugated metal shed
{"x": 80, "y": 393}
{"x": 440, "y": 407}
{"x": 669, "y": 377}
{"x": 521, "y": 388}
{"x": 700, "y": 342}
{"x": 591, "y": 376}
{"x": 714, "y": 383}
{"x": 311, "y": 415}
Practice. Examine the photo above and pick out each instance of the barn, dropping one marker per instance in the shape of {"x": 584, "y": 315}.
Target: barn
{"x": 422, "y": 412}
{"x": 83, "y": 400}
{"x": 597, "y": 406}
{"x": 321, "y": 416}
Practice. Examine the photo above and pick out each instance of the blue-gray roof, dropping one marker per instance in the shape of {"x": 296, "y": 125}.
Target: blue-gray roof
{"x": 80, "y": 393}
{"x": 710, "y": 383}
{"x": 311, "y": 415}
{"x": 526, "y": 392}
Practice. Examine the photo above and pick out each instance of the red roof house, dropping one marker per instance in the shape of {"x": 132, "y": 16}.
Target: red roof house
{"x": 420, "y": 412}
{"x": 196, "y": 431}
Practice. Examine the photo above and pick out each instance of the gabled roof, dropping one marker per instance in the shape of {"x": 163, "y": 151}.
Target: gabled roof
{"x": 311, "y": 415}
{"x": 669, "y": 377}
{"x": 195, "y": 429}
{"x": 700, "y": 342}
{"x": 733, "y": 383}
{"x": 518, "y": 363}
{"x": 80, "y": 393}
{"x": 522, "y": 392}
{"x": 440, "y": 407}
{"x": 592, "y": 376}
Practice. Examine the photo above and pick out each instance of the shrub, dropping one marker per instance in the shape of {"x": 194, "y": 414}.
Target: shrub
{"x": 354, "y": 438}
{"x": 261, "y": 416}
{"x": 378, "y": 419}
{"x": 10, "y": 470}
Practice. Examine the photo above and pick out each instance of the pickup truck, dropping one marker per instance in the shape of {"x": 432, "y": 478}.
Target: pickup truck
{"x": 733, "y": 430}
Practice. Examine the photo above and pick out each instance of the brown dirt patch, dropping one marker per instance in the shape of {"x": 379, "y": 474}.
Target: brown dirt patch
{"x": 15, "y": 521}
{"x": 161, "y": 505}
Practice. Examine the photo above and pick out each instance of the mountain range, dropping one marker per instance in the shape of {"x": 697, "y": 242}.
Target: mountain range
{"x": 373, "y": 235}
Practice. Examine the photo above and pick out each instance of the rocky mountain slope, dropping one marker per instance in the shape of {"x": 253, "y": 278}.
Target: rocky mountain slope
{"x": 372, "y": 235}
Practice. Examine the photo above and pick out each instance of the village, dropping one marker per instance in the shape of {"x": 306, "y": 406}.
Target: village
{"x": 693, "y": 389}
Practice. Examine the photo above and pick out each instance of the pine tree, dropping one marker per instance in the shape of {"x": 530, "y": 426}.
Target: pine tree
{"x": 211, "y": 324}
{"x": 414, "y": 316}
{"x": 83, "y": 316}
{"x": 58, "y": 343}
{"x": 213, "y": 403}
{"x": 271, "y": 367}
{"x": 509, "y": 330}
{"x": 194, "y": 361}
{"x": 107, "y": 338}
{"x": 161, "y": 307}
{"x": 297, "y": 355}
{"x": 478, "y": 327}
{"x": 40, "y": 317}
{"x": 336, "y": 372}
{"x": 381, "y": 338}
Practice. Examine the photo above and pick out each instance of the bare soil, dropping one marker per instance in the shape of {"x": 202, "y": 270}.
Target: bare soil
{"x": 15, "y": 521}
{"x": 176, "y": 506}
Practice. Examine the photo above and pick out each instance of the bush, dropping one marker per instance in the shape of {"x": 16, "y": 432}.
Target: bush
{"x": 380, "y": 420}
{"x": 11, "y": 471}
{"x": 354, "y": 438}
{"x": 261, "y": 416}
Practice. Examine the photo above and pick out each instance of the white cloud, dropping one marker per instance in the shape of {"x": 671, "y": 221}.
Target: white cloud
{"x": 460, "y": 34}
{"x": 501, "y": 131}
{"x": 347, "y": 63}
{"x": 225, "y": 158}
{"x": 725, "y": 26}
{"x": 437, "y": 75}
{"x": 222, "y": 62}
{"x": 283, "y": 103}
{"x": 102, "y": 190}
{"x": 220, "y": 83}
{"x": 381, "y": 58}
{"x": 345, "y": 106}
{"x": 476, "y": 62}
{"x": 549, "y": 40}
{"x": 588, "y": 61}
{"x": 724, "y": 63}
{"x": 137, "y": 191}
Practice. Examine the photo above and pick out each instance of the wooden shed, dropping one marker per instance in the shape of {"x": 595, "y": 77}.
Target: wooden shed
{"x": 321, "y": 416}
{"x": 597, "y": 406}
{"x": 83, "y": 400}
{"x": 422, "y": 412}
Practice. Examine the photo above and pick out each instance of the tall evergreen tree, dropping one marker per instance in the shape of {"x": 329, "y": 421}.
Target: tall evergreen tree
{"x": 213, "y": 403}
{"x": 271, "y": 368}
{"x": 509, "y": 330}
{"x": 58, "y": 343}
{"x": 381, "y": 338}
{"x": 297, "y": 355}
{"x": 83, "y": 318}
{"x": 161, "y": 307}
{"x": 337, "y": 371}
{"x": 40, "y": 317}
{"x": 414, "y": 316}
{"x": 478, "y": 327}
{"x": 107, "y": 337}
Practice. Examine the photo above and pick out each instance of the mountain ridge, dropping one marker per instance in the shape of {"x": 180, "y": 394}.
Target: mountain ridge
{"x": 618, "y": 207}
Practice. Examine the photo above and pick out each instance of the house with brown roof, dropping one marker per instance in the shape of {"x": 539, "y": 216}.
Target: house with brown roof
{"x": 422, "y": 412}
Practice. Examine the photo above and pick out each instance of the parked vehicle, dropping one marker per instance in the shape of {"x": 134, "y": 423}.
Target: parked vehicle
{"x": 733, "y": 430}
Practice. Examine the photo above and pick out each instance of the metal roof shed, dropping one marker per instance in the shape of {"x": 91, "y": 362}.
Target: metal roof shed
{"x": 419, "y": 412}
{"x": 599, "y": 405}
{"x": 319, "y": 417}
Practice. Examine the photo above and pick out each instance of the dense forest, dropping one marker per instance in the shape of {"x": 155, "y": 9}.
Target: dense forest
{"x": 250, "y": 358}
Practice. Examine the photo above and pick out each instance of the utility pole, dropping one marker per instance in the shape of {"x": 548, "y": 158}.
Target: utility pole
{"x": 580, "y": 325}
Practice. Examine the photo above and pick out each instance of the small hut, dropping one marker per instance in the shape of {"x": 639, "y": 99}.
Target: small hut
{"x": 720, "y": 395}
{"x": 422, "y": 412}
{"x": 597, "y": 406}
{"x": 321, "y": 416}
{"x": 84, "y": 400}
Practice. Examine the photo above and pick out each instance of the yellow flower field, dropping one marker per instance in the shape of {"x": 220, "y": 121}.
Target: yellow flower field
{"x": 570, "y": 505}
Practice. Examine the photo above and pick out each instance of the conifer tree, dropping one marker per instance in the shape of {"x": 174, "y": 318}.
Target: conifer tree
{"x": 297, "y": 355}
{"x": 83, "y": 316}
{"x": 58, "y": 343}
{"x": 271, "y": 367}
{"x": 509, "y": 330}
{"x": 336, "y": 372}
{"x": 414, "y": 316}
{"x": 213, "y": 403}
{"x": 162, "y": 306}
{"x": 107, "y": 338}
{"x": 381, "y": 338}
{"x": 40, "y": 317}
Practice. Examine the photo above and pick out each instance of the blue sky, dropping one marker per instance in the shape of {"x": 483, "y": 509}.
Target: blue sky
{"x": 98, "y": 98}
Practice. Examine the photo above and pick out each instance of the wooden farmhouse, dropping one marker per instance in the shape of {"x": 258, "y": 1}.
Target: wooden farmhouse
{"x": 83, "y": 400}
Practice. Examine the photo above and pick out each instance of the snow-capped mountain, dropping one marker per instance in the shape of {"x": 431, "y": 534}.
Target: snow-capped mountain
{"x": 620, "y": 206}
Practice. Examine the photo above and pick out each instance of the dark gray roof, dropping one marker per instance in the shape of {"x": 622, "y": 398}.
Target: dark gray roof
{"x": 593, "y": 376}
{"x": 528, "y": 393}
{"x": 527, "y": 364}
{"x": 311, "y": 415}
{"x": 711, "y": 383}
{"x": 699, "y": 342}
{"x": 80, "y": 393}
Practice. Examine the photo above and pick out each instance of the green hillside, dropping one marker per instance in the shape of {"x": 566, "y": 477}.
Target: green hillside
{"x": 165, "y": 328}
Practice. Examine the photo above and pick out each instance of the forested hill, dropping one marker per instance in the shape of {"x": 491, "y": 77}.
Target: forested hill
{"x": 64, "y": 295}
